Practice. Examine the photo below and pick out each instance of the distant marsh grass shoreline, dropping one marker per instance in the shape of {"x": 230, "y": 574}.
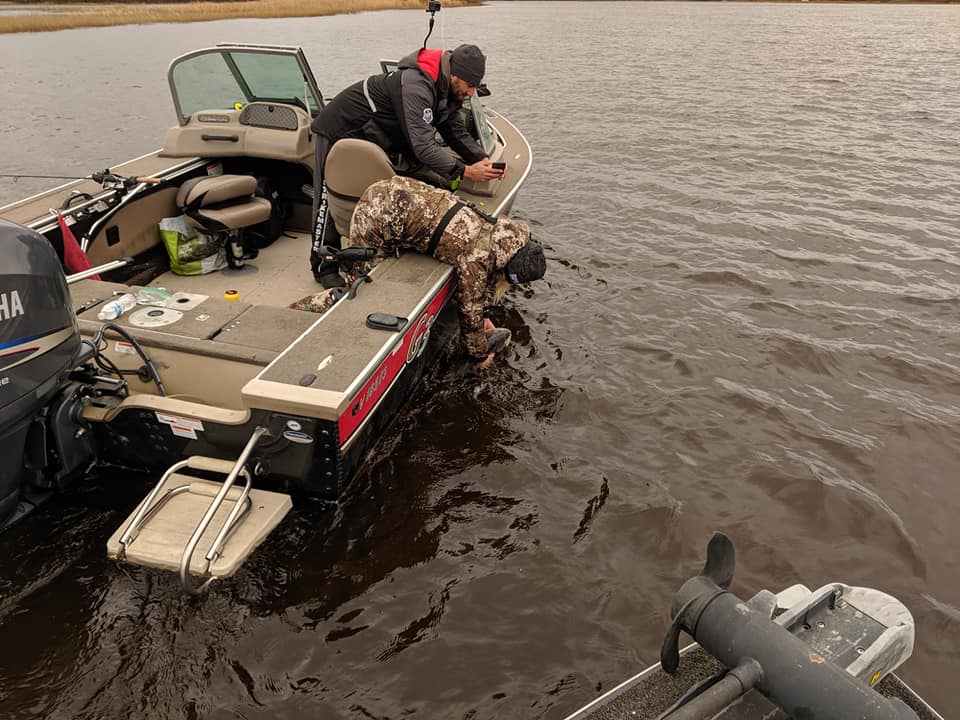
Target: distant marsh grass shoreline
{"x": 91, "y": 13}
{"x": 81, "y": 15}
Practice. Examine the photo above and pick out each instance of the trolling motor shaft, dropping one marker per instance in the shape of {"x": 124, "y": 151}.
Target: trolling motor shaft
{"x": 763, "y": 654}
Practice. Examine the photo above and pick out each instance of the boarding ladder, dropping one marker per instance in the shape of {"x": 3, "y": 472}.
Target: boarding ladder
{"x": 179, "y": 515}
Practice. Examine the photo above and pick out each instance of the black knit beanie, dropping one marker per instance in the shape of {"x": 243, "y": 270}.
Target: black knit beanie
{"x": 468, "y": 63}
{"x": 527, "y": 265}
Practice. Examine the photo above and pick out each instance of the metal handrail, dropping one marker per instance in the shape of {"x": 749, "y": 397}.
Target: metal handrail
{"x": 229, "y": 525}
{"x": 131, "y": 532}
{"x": 112, "y": 265}
{"x": 239, "y": 507}
{"x": 129, "y": 195}
{"x": 171, "y": 493}
{"x": 238, "y": 467}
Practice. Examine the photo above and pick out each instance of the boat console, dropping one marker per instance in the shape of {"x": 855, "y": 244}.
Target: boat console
{"x": 260, "y": 129}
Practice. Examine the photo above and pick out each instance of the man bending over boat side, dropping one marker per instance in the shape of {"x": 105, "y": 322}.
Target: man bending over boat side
{"x": 404, "y": 213}
{"x": 400, "y": 111}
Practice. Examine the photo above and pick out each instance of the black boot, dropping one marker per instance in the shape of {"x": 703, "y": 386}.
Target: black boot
{"x": 328, "y": 275}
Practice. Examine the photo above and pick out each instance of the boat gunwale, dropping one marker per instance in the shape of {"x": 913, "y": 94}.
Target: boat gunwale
{"x": 917, "y": 703}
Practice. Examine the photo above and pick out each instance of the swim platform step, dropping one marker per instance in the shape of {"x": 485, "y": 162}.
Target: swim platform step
{"x": 161, "y": 541}
{"x": 201, "y": 529}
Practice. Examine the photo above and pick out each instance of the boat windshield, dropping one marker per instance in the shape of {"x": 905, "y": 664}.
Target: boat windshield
{"x": 484, "y": 131}
{"x": 227, "y": 78}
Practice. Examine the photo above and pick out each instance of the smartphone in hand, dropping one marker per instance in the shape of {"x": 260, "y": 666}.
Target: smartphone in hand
{"x": 499, "y": 165}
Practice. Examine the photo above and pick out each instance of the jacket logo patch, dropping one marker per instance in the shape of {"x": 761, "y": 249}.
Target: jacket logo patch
{"x": 428, "y": 116}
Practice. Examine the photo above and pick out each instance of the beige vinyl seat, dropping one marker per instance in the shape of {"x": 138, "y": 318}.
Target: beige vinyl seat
{"x": 352, "y": 166}
{"x": 223, "y": 202}
{"x": 224, "y": 205}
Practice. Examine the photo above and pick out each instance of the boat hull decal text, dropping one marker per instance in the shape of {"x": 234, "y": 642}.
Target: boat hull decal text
{"x": 408, "y": 349}
{"x": 181, "y": 426}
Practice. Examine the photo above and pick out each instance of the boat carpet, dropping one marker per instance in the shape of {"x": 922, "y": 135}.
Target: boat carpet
{"x": 213, "y": 326}
{"x": 282, "y": 276}
{"x": 328, "y": 367}
{"x": 399, "y": 286}
{"x": 315, "y": 364}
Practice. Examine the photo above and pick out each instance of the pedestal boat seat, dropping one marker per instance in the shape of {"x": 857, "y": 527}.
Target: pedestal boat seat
{"x": 352, "y": 166}
{"x": 224, "y": 205}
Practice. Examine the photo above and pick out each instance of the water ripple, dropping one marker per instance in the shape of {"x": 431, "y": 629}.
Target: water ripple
{"x": 749, "y": 323}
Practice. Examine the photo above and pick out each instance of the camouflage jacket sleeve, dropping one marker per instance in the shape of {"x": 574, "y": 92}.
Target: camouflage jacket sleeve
{"x": 363, "y": 227}
{"x": 472, "y": 296}
{"x": 375, "y": 222}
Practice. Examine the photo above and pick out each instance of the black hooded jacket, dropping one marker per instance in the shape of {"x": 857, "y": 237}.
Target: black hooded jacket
{"x": 400, "y": 111}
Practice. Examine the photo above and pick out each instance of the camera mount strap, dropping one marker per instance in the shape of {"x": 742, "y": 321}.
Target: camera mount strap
{"x": 442, "y": 225}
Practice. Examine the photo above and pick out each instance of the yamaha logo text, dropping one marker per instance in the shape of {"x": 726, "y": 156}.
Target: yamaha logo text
{"x": 10, "y": 305}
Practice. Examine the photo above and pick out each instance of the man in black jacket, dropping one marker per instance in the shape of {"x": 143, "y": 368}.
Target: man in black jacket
{"x": 400, "y": 111}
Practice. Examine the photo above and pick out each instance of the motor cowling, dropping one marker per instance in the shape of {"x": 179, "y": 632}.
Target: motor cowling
{"x": 39, "y": 344}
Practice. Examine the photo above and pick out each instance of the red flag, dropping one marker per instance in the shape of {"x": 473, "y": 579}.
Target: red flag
{"x": 74, "y": 258}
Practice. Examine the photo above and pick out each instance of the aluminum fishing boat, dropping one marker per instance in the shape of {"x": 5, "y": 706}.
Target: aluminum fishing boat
{"x": 237, "y": 400}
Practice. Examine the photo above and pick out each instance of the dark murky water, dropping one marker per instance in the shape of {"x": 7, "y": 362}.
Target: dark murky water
{"x": 751, "y": 324}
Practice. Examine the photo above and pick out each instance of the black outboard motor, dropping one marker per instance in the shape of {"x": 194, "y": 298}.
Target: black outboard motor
{"x": 42, "y": 440}
{"x": 766, "y": 653}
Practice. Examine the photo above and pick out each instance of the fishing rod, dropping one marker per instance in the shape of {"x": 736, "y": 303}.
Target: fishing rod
{"x": 98, "y": 177}
{"x": 117, "y": 191}
{"x": 44, "y": 177}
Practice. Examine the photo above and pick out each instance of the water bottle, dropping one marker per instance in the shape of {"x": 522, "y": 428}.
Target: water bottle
{"x": 116, "y": 308}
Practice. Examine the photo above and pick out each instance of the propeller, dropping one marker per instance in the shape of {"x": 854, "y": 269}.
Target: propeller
{"x": 670, "y": 650}
{"x": 696, "y": 593}
{"x": 720, "y": 560}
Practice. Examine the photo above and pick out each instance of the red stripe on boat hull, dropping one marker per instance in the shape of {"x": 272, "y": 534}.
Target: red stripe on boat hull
{"x": 406, "y": 351}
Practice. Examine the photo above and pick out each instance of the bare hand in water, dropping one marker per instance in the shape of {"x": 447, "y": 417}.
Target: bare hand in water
{"x": 487, "y": 327}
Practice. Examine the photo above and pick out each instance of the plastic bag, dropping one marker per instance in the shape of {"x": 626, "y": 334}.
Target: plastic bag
{"x": 191, "y": 251}
{"x": 153, "y": 296}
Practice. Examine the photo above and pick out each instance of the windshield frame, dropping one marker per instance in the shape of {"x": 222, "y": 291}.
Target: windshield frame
{"x": 227, "y": 51}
